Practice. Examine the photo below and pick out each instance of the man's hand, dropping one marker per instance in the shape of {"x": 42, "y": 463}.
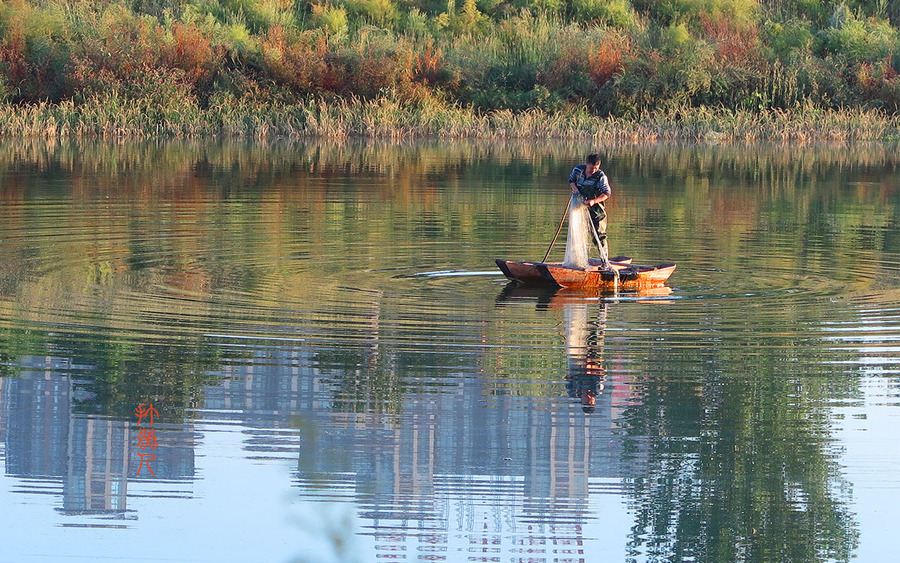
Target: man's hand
{"x": 596, "y": 200}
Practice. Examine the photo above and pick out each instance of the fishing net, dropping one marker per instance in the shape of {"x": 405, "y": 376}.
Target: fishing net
{"x": 578, "y": 240}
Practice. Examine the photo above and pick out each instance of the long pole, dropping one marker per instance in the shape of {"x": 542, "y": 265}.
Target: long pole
{"x": 604, "y": 256}
{"x": 558, "y": 230}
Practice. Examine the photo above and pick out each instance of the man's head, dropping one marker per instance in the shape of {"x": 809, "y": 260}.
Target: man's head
{"x": 588, "y": 400}
{"x": 588, "y": 397}
{"x": 592, "y": 163}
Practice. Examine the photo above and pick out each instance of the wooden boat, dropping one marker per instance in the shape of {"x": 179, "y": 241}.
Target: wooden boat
{"x": 623, "y": 275}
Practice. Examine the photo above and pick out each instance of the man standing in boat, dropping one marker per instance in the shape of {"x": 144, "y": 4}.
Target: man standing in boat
{"x": 593, "y": 185}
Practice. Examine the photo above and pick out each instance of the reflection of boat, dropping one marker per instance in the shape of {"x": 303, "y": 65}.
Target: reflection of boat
{"x": 623, "y": 275}
{"x": 552, "y": 296}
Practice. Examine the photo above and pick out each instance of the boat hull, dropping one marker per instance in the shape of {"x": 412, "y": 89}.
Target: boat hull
{"x": 624, "y": 275}
{"x": 534, "y": 272}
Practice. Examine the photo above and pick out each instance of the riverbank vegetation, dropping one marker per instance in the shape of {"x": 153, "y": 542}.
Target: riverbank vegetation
{"x": 672, "y": 69}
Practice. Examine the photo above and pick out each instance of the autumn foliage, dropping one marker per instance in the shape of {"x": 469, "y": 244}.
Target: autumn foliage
{"x": 610, "y": 57}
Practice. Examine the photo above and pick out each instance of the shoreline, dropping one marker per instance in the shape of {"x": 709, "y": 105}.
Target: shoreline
{"x": 386, "y": 118}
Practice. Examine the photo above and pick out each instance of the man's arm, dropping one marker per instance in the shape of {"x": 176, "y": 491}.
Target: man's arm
{"x": 573, "y": 178}
{"x": 605, "y": 192}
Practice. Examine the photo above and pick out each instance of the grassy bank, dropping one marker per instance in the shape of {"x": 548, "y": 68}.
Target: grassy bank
{"x": 390, "y": 118}
{"x": 779, "y": 70}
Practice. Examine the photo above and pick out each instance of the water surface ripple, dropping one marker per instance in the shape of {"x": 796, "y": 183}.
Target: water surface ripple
{"x": 342, "y": 375}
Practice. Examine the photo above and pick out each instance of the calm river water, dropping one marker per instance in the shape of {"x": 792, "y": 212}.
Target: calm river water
{"x": 338, "y": 372}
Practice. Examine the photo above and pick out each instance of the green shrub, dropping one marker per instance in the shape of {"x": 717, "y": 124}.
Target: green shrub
{"x": 616, "y": 13}
{"x": 415, "y": 23}
{"x": 256, "y": 15}
{"x": 677, "y": 72}
{"x": 814, "y": 11}
{"x": 332, "y": 19}
{"x": 156, "y": 8}
{"x": 741, "y": 13}
{"x": 785, "y": 38}
{"x": 377, "y": 12}
{"x": 675, "y": 38}
{"x": 470, "y": 20}
{"x": 674, "y": 12}
{"x": 859, "y": 41}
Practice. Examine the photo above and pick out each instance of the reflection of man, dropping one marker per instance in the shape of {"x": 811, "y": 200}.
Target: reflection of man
{"x": 584, "y": 348}
{"x": 585, "y": 387}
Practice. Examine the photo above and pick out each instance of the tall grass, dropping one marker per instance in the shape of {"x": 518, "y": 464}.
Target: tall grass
{"x": 391, "y": 118}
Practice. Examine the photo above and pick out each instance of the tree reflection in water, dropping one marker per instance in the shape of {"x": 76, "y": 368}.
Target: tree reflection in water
{"x": 727, "y": 468}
